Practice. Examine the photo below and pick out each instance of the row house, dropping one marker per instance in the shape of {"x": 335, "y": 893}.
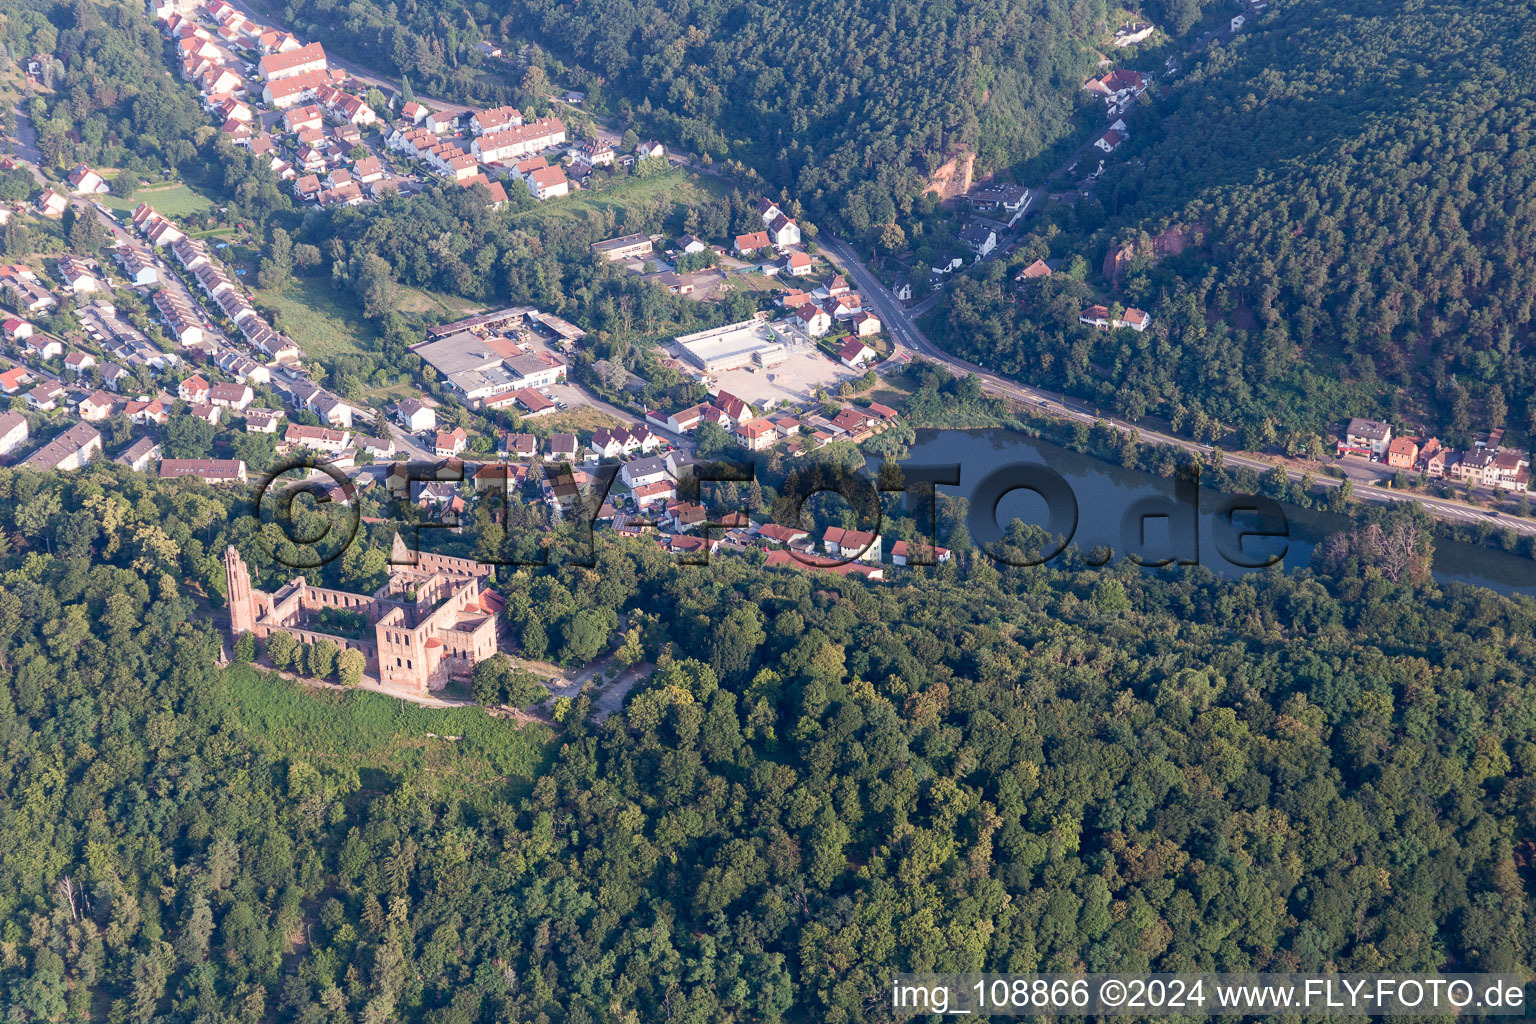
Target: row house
{"x": 497, "y": 119}
{"x": 138, "y": 264}
{"x": 345, "y": 107}
{"x": 210, "y": 471}
{"x": 307, "y": 117}
{"x": 855, "y": 544}
{"x": 231, "y": 396}
{"x": 179, "y": 317}
{"x": 79, "y": 275}
{"x": 262, "y": 421}
{"x": 277, "y": 66}
{"x": 30, "y": 295}
{"x": 242, "y": 367}
{"x": 514, "y": 143}
{"x": 158, "y": 229}
{"x": 609, "y": 444}
{"x": 302, "y": 88}
{"x": 320, "y": 439}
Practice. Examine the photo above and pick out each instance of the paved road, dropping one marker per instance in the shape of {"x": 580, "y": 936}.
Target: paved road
{"x": 905, "y": 332}
{"x": 26, "y": 141}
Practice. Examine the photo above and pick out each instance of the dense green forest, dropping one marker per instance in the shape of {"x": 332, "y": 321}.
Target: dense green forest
{"x": 824, "y": 782}
{"x": 1355, "y": 181}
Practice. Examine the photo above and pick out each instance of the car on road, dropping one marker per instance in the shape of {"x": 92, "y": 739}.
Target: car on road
{"x": 1491, "y": 512}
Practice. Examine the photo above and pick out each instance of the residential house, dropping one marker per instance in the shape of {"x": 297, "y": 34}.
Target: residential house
{"x": 378, "y": 447}
{"x": 548, "y": 183}
{"x": 193, "y": 390}
{"x": 920, "y": 554}
{"x": 857, "y": 544}
{"x": 855, "y": 354}
{"x": 138, "y": 455}
{"x": 750, "y": 243}
{"x": 414, "y": 416}
{"x": 519, "y": 446}
{"x": 562, "y": 447}
{"x": 865, "y": 324}
{"x": 814, "y": 320}
{"x": 13, "y": 431}
{"x": 95, "y": 407}
{"x": 756, "y": 435}
{"x": 1402, "y": 453}
{"x": 320, "y": 439}
{"x": 78, "y": 361}
{"x": 1109, "y": 141}
{"x": 262, "y": 421}
{"x": 51, "y": 203}
{"x": 231, "y": 396}
{"x": 69, "y": 451}
{"x": 14, "y": 379}
{"x": 451, "y": 443}
{"x": 1365, "y": 438}
{"x": 42, "y": 347}
{"x": 210, "y": 471}
{"x": 641, "y": 472}
{"x": 1034, "y": 272}
{"x": 783, "y": 231}
{"x": 981, "y": 238}
{"x": 144, "y": 411}
{"x": 83, "y": 182}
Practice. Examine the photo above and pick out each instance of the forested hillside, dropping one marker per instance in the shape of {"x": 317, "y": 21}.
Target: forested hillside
{"x": 1358, "y": 181}
{"x": 825, "y": 781}
{"x": 838, "y": 100}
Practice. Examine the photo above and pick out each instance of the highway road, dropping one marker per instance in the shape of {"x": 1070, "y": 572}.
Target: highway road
{"x": 903, "y": 330}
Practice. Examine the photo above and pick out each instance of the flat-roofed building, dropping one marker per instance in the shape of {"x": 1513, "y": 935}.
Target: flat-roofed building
{"x": 732, "y": 346}
{"x": 624, "y": 248}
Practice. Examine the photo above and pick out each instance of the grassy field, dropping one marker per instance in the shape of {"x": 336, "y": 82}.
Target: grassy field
{"x": 578, "y": 419}
{"x": 370, "y": 730}
{"x": 310, "y": 313}
{"x": 173, "y": 199}
{"x": 420, "y": 300}
{"x": 677, "y": 188}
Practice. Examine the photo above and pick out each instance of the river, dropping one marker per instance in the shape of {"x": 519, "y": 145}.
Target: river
{"x": 1131, "y": 510}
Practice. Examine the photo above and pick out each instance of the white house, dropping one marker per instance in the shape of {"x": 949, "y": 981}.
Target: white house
{"x": 784, "y": 231}
{"x": 814, "y": 320}
{"x": 84, "y": 181}
{"x": 855, "y": 354}
{"x": 414, "y": 416}
{"x": 981, "y": 238}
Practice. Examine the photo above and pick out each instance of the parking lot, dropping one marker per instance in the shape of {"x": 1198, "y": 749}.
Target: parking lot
{"x": 792, "y": 381}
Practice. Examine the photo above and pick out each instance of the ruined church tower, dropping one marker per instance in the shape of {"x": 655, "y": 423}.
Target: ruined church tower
{"x": 242, "y": 607}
